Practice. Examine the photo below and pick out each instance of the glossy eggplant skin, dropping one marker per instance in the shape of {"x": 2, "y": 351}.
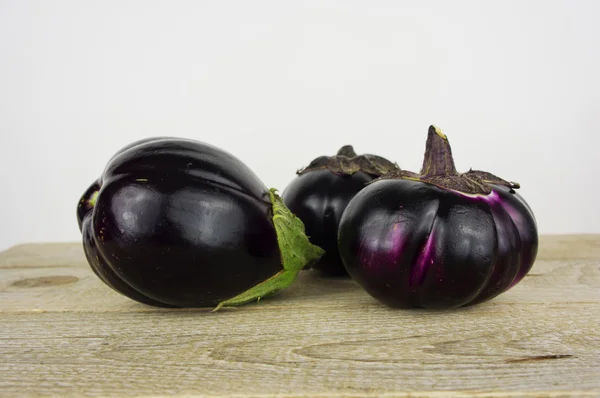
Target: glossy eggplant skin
{"x": 319, "y": 198}
{"x": 178, "y": 223}
{"x": 412, "y": 244}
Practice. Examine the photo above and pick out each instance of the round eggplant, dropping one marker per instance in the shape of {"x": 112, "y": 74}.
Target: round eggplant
{"x": 321, "y": 192}
{"x": 438, "y": 239}
{"x": 179, "y": 223}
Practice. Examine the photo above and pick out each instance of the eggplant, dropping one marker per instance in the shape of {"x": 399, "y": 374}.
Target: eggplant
{"x": 438, "y": 239}
{"x": 179, "y": 223}
{"x": 321, "y": 192}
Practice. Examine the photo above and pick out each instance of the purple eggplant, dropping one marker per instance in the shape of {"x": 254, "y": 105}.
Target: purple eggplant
{"x": 437, "y": 239}
{"x": 320, "y": 193}
{"x": 179, "y": 223}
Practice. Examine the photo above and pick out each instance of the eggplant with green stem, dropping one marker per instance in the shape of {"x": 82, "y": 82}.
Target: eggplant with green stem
{"x": 179, "y": 223}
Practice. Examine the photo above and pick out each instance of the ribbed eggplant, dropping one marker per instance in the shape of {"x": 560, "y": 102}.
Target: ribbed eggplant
{"x": 180, "y": 223}
{"x": 320, "y": 193}
{"x": 438, "y": 239}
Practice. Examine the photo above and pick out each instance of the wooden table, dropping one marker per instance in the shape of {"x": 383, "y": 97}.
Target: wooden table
{"x": 64, "y": 333}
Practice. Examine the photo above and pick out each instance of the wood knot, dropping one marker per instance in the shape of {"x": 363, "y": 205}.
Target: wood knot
{"x": 45, "y": 281}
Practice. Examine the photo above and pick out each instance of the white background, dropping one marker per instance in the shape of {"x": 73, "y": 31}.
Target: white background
{"x": 514, "y": 84}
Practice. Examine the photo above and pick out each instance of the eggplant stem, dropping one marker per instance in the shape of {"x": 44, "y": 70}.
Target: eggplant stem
{"x": 348, "y": 151}
{"x": 296, "y": 253}
{"x": 438, "y": 159}
{"x": 347, "y": 162}
{"x": 274, "y": 284}
{"x": 439, "y": 170}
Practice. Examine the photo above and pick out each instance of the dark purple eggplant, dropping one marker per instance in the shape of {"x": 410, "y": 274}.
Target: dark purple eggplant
{"x": 438, "y": 239}
{"x": 320, "y": 193}
{"x": 179, "y": 223}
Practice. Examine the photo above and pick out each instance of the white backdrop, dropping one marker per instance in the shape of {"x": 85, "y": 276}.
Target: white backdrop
{"x": 514, "y": 84}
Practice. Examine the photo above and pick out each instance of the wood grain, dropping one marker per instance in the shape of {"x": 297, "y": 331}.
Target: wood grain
{"x": 63, "y": 333}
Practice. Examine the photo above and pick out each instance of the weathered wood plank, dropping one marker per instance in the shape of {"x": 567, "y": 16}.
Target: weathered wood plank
{"x": 63, "y": 333}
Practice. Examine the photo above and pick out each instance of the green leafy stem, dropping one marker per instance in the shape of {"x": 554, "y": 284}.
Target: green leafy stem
{"x": 296, "y": 252}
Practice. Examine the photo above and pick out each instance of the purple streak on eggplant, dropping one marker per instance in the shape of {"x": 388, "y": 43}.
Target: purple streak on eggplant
{"x": 424, "y": 261}
{"x": 508, "y": 260}
{"x": 457, "y": 246}
{"x": 320, "y": 193}
{"x": 523, "y": 220}
{"x": 396, "y": 242}
{"x": 180, "y": 223}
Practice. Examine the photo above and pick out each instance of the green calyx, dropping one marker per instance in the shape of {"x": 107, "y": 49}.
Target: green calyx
{"x": 296, "y": 252}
